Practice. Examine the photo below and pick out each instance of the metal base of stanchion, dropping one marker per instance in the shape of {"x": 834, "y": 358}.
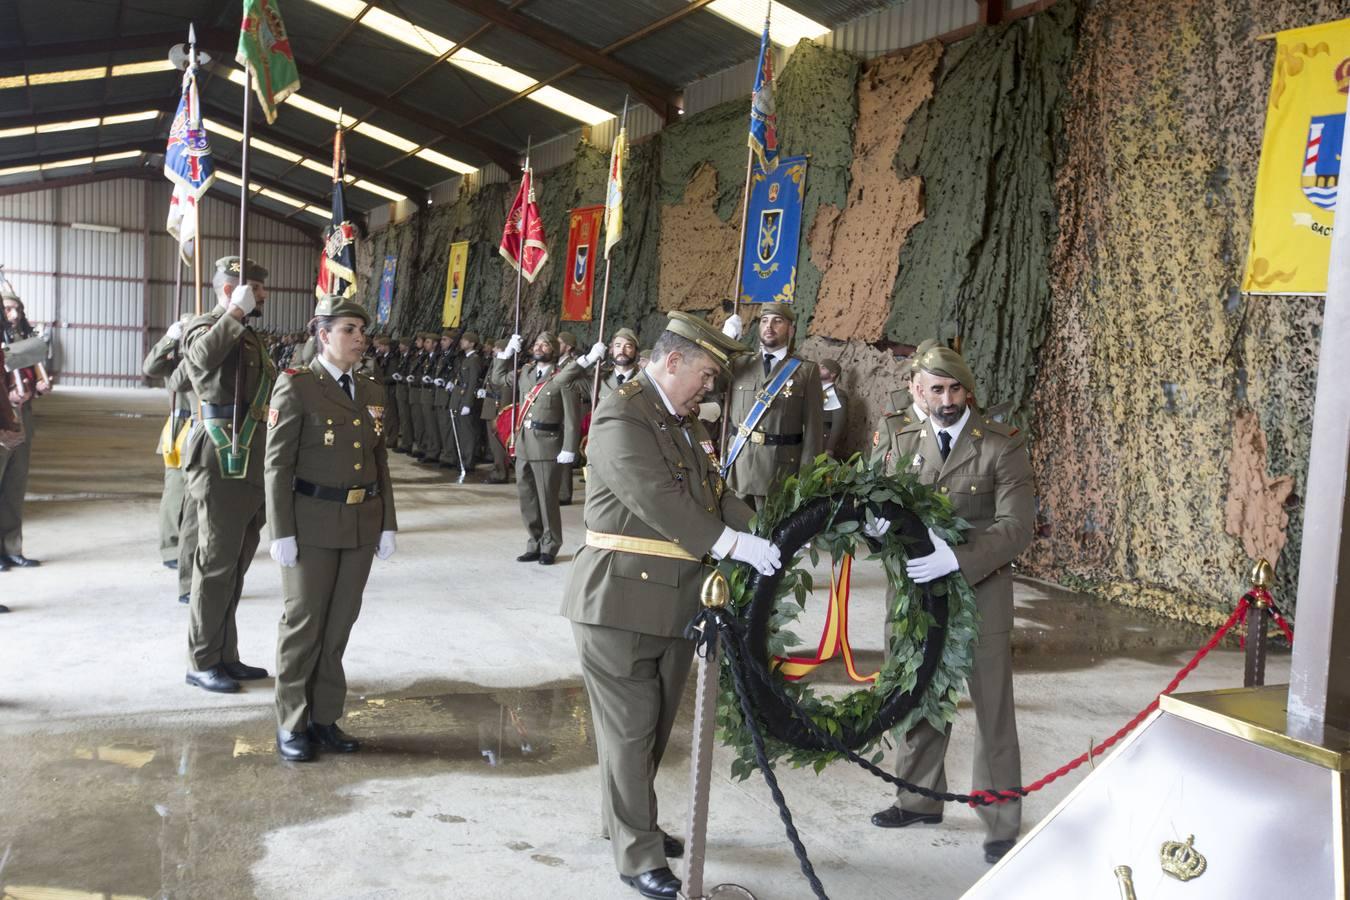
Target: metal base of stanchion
{"x": 722, "y": 890}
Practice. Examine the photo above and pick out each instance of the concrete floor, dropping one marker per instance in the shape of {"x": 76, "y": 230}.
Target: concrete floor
{"x": 478, "y": 777}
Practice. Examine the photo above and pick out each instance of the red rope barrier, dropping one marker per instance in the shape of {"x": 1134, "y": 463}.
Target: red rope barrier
{"x": 1238, "y": 615}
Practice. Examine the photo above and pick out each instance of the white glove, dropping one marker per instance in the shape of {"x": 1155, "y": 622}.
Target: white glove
{"x": 733, "y": 327}
{"x": 465, "y": 411}
{"x": 876, "y": 528}
{"x": 514, "y": 345}
{"x": 385, "y": 548}
{"x": 942, "y": 561}
{"x": 566, "y": 457}
{"x": 593, "y": 356}
{"x": 242, "y": 297}
{"x": 763, "y": 555}
{"x": 398, "y": 377}
{"x": 285, "y": 551}
{"x": 426, "y": 379}
{"x": 175, "y": 332}
{"x": 439, "y": 382}
{"x": 481, "y": 393}
{"x": 709, "y": 412}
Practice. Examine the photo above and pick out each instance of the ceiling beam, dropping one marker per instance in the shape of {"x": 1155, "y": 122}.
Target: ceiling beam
{"x": 159, "y": 40}
{"x": 661, "y": 97}
{"x": 342, "y": 36}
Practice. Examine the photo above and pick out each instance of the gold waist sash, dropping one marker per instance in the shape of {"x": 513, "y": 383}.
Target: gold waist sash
{"x": 643, "y": 546}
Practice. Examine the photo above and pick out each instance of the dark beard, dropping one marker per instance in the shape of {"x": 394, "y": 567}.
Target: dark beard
{"x": 623, "y": 362}
{"x": 946, "y": 420}
{"x": 542, "y": 357}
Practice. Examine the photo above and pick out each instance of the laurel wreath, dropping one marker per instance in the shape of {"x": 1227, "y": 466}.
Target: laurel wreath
{"x": 907, "y": 622}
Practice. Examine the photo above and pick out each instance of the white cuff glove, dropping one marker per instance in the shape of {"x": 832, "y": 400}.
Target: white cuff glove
{"x": 942, "y": 561}
{"x": 426, "y": 379}
{"x": 242, "y": 297}
{"x": 757, "y": 552}
{"x": 733, "y": 327}
{"x": 385, "y": 548}
{"x": 285, "y": 551}
{"x": 175, "y": 331}
{"x": 480, "y": 393}
{"x": 593, "y": 356}
{"x": 398, "y": 377}
{"x": 876, "y": 528}
{"x": 439, "y": 382}
{"x": 565, "y": 457}
{"x": 709, "y": 412}
{"x": 465, "y": 411}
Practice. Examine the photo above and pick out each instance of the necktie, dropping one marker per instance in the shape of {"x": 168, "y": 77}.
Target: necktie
{"x": 944, "y": 443}
{"x": 768, "y": 364}
{"x": 345, "y": 382}
{"x": 619, "y": 377}
{"x": 538, "y": 374}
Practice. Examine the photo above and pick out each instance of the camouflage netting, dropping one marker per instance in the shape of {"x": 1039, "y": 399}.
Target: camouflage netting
{"x": 1068, "y": 194}
{"x": 1170, "y": 410}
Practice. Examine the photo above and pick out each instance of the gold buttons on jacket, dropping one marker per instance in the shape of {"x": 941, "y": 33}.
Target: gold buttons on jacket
{"x": 944, "y": 489}
{"x": 330, "y": 421}
{"x": 356, "y": 421}
{"x": 357, "y": 467}
{"x": 357, "y": 445}
{"x": 644, "y": 576}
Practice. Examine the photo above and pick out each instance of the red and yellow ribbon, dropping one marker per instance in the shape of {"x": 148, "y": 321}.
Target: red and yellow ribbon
{"x": 834, "y": 639}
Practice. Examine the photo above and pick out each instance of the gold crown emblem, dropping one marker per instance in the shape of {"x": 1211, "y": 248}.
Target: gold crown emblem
{"x": 1343, "y": 76}
{"x": 1182, "y": 861}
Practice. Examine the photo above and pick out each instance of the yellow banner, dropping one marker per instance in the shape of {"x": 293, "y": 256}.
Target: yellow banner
{"x": 1296, "y": 183}
{"x": 454, "y": 284}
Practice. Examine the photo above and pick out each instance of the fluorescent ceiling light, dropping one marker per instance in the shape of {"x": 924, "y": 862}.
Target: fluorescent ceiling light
{"x": 143, "y": 68}
{"x": 65, "y": 76}
{"x": 433, "y": 44}
{"x": 123, "y": 119}
{"x": 278, "y": 196}
{"x": 67, "y": 163}
{"x": 74, "y": 124}
{"x": 786, "y": 27}
{"x": 87, "y": 226}
{"x": 19, "y": 170}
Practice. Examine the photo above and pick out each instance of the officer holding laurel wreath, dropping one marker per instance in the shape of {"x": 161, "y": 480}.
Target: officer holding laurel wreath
{"x": 982, "y": 466}
{"x": 331, "y": 506}
{"x": 655, "y": 510}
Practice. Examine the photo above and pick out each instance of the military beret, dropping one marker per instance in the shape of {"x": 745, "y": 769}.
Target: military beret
{"x": 626, "y": 334}
{"x": 447, "y": 332}
{"x": 334, "y": 305}
{"x": 470, "y": 336}
{"x": 230, "y": 266}
{"x": 7, "y": 293}
{"x": 908, "y": 366}
{"x": 568, "y": 338}
{"x": 947, "y": 363}
{"x": 778, "y": 309}
{"x": 717, "y": 345}
{"x": 548, "y": 338}
{"x": 381, "y": 339}
{"x": 832, "y": 366}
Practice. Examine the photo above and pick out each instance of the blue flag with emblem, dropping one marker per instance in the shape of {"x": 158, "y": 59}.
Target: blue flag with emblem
{"x": 773, "y": 228}
{"x": 763, "y": 118}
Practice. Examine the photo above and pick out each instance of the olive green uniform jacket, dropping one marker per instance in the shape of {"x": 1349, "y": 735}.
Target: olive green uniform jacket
{"x": 161, "y": 362}
{"x": 796, "y": 413}
{"x": 835, "y": 422}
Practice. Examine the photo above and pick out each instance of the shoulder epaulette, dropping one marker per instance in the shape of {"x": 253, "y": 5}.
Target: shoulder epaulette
{"x": 629, "y": 389}
{"x": 998, "y": 427}
{"x": 298, "y": 370}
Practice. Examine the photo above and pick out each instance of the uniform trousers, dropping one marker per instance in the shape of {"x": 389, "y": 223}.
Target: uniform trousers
{"x": 461, "y": 442}
{"x": 418, "y": 420}
{"x": 402, "y": 438}
{"x": 497, "y": 448}
{"x": 187, "y": 541}
{"x": 997, "y": 762}
{"x": 230, "y": 517}
{"x": 537, "y": 485}
{"x": 393, "y": 416}
{"x": 635, "y": 683}
{"x": 170, "y": 512}
{"x": 13, "y": 487}
{"x": 431, "y": 428}
{"x": 323, "y": 598}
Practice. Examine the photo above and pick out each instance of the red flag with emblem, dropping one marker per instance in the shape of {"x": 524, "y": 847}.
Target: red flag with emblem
{"x": 523, "y": 243}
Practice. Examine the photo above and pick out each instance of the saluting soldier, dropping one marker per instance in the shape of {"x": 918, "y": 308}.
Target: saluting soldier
{"x": 161, "y": 362}
{"x": 622, "y": 350}
{"x": 331, "y": 505}
{"x": 224, "y": 476}
{"x": 783, "y": 435}
{"x": 548, "y": 429}
{"x": 465, "y": 379}
{"x": 982, "y": 466}
{"x": 402, "y": 440}
{"x": 655, "y": 507}
{"x": 495, "y": 392}
{"x": 836, "y": 406}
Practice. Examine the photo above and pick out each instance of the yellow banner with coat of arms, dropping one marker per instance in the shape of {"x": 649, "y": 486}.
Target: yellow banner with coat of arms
{"x": 1297, "y": 181}
{"x": 454, "y": 284}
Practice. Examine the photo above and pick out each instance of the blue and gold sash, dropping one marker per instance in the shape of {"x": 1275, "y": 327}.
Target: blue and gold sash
{"x": 761, "y": 405}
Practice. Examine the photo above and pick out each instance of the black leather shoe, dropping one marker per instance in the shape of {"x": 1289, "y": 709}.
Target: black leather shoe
{"x": 331, "y": 737}
{"x": 493, "y": 479}
{"x": 241, "y": 672}
{"x": 184, "y": 598}
{"x": 658, "y": 883}
{"x": 170, "y": 563}
{"x": 20, "y": 562}
{"x": 294, "y": 746}
{"x": 418, "y": 454}
{"x": 4, "y": 566}
{"x": 213, "y": 679}
{"x": 673, "y": 846}
{"x": 895, "y": 817}
{"x": 3, "y": 608}
{"x": 546, "y": 559}
{"x": 530, "y": 556}
{"x": 996, "y": 850}
{"x": 564, "y": 502}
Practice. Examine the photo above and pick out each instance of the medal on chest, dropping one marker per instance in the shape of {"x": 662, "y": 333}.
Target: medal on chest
{"x": 787, "y": 388}
{"x": 377, "y": 418}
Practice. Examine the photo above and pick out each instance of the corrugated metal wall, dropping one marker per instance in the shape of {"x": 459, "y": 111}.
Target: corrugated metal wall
{"x": 106, "y": 296}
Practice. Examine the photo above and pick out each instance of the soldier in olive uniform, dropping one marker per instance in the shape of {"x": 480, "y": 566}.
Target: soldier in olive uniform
{"x": 494, "y": 394}
{"x": 179, "y": 383}
{"x": 416, "y": 371}
{"x": 25, "y": 378}
{"x": 225, "y": 483}
{"x": 789, "y": 436}
{"x": 387, "y": 359}
{"x": 983, "y": 467}
{"x": 430, "y": 451}
{"x": 462, "y": 448}
{"x": 836, "y": 407}
{"x": 567, "y": 355}
{"x": 655, "y": 507}
{"x": 161, "y": 362}
{"x": 331, "y": 505}
{"x": 622, "y": 350}
{"x": 443, "y": 380}
{"x": 401, "y": 441}
{"x": 548, "y": 430}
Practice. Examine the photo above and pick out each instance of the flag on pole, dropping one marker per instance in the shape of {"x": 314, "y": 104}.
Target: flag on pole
{"x": 337, "y": 262}
{"x": 614, "y": 192}
{"x": 763, "y": 119}
{"x": 265, "y": 49}
{"x": 523, "y": 243}
{"x": 188, "y": 164}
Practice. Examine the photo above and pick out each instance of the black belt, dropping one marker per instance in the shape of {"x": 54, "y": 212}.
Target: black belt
{"x": 349, "y": 496}
{"x": 543, "y": 426}
{"x": 781, "y": 440}
{"x": 223, "y": 410}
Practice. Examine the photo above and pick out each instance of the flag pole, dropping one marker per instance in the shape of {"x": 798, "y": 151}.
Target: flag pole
{"x": 604, "y": 294}
{"x": 196, "y": 207}
{"x": 243, "y": 255}
{"x": 520, "y": 269}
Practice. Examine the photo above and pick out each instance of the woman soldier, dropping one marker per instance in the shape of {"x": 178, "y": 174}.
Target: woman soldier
{"x": 331, "y": 508}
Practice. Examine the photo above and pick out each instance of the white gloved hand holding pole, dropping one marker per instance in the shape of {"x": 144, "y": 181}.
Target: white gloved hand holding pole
{"x": 385, "y": 548}
{"x": 733, "y": 327}
{"x": 593, "y": 356}
{"x": 755, "y": 551}
{"x": 942, "y": 561}
{"x": 566, "y": 457}
{"x": 285, "y": 551}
